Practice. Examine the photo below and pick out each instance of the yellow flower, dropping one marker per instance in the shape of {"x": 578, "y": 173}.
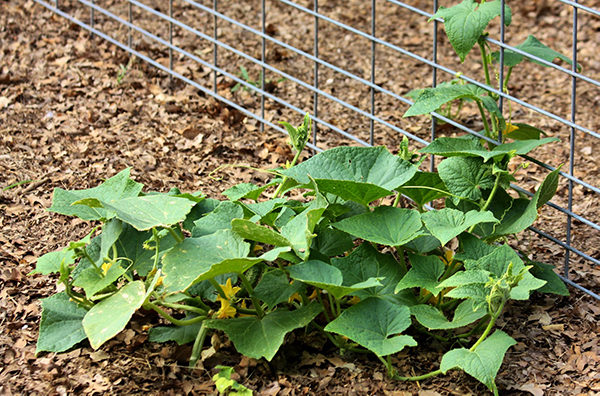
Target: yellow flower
{"x": 354, "y": 300}
{"x": 296, "y": 297}
{"x": 229, "y": 291}
{"x": 159, "y": 281}
{"x": 510, "y": 128}
{"x": 226, "y": 311}
{"x": 314, "y": 295}
{"x": 105, "y": 267}
{"x": 448, "y": 257}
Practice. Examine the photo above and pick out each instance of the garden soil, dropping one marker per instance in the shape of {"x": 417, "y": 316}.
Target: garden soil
{"x": 69, "y": 120}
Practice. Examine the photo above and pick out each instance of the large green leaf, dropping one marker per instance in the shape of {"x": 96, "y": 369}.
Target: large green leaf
{"x": 433, "y": 319}
{"x": 461, "y": 147}
{"x": 445, "y": 224}
{"x": 332, "y": 242}
{"x": 360, "y": 174}
{"x": 554, "y": 284}
{"x": 245, "y": 190}
{"x": 254, "y": 232}
{"x": 466, "y": 177}
{"x": 111, "y": 315}
{"x": 385, "y": 225}
{"x": 110, "y": 233}
{"x": 117, "y": 187}
{"x": 467, "y": 21}
{"x": 375, "y": 324}
{"x": 425, "y": 187}
{"x": 424, "y": 272}
{"x": 484, "y": 362}
{"x": 145, "y": 212}
{"x": 534, "y": 47}
{"x": 523, "y": 212}
{"x": 218, "y": 219}
{"x": 328, "y": 277}
{"x": 430, "y": 99}
{"x": 60, "y": 325}
{"x": 275, "y": 287}
{"x": 477, "y": 292}
{"x": 261, "y": 337}
{"x": 365, "y": 263}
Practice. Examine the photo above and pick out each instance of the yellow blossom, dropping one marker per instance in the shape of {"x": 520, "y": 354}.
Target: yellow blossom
{"x": 296, "y": 297}
{"x": 510, "y": 128}
{"x": 159, "y": 281}
{"x": 354, "y": 300}
{"x": 226, "y": 310}
{"x": 448, "y": 257}
{"x": 314, "y": 295}
{"x": 229, "y": 291}
{"x": 105, "y": 267}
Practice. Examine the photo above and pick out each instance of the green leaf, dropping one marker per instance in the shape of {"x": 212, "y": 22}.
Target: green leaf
{"x": 433, "y": 319}
{"x": 466, "y": 177}
{"x": 218, "y": 219}
{"x": 492, "y": 107}
{"x": 92, "y": 281}
{"x": 50, "y": 263}
{"x": 460, "y": 147}
{"x": 445, "y": 224}
{"x": 431, "y": 99}
{"x": 423, "y": 244}
{"x": 254, "y": 232}
{"x": 463, "y": 278}
{"x": 425, "y": 187}
{"x": 180, "y": 334}
{"x": 472, "y": 248}
{"x": 424, "y": 272}
{"x": 107, "y": 318}
{"x": 332, "y": 242}
{"x": 385, "y": 225}
{"x": 523, "y": 212}
{"x": 365, "y": 263}
{"x": 274, "y": 288}
{"x": 328, "y": 277}
{"x": 475, "y": 291}
{"x": 484, "y": 362}
{"x": 524, "y": 132}
{"x": 110, "y": 233}
{"x": 200, "y": 209}
{"x": 299, "y": 230}
{"x": 198, "y": 259}
{"x": 117, "y": 187}
{"x": 225, "y": 385}
{"x": 360, "y": 174}
{"x": 256, "y": 338}
{"x": 245, "y": 190}
{"x": 131, "y": 245}
{"x": 375, "y": 324}
{"x": 60, "y": 325}
{"x": 534, "y": 47}
{"x": 467, "y": 21}
{"x": 554, "y": 284}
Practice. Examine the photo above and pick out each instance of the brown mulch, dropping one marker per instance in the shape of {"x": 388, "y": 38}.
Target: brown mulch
{"x": 66, "y": 121}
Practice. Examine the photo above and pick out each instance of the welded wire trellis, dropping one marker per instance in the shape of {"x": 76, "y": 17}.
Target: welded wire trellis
{"x": 127, "y": 22}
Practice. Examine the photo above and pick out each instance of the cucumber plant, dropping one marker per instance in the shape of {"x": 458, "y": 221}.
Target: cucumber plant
{"x": 259, "y": 264}
{"x": 465, "y": 26}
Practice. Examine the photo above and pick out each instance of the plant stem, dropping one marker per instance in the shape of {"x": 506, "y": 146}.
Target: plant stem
{"x": 484, "y": 61}
{"x": 323, "y": 305}
{"x": 489, "y": 200}
{"x": 489, "y": 327}
{"x": 486, "y": 125}
{"x": 218, "y": 287}
{"x": 197, "y": 346}
{"x": 397, "y": 200}
{"x": 176, "y": 322}
{"x": 417, "y": 378}
{"x": 332, "y": 306}
{"x": 174, "y": 235}
{"x": 250, "y": 291}
{"x": 285, "y": 178}
{"x": 400, "y": 251}
{"x": 182, "y": 307}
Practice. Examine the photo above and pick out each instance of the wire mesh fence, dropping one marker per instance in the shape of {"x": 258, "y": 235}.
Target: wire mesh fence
{"x": 353, "y": 65}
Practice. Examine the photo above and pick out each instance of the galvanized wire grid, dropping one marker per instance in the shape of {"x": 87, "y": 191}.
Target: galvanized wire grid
{"x": 131, "y": 20}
